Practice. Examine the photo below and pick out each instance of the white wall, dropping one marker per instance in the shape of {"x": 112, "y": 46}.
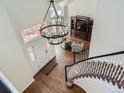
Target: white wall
{"x": 13, "y": 62}
{"x": 108, "y": 33}
{"x": 82, "y": 7}
{"x": 26, "y": 13}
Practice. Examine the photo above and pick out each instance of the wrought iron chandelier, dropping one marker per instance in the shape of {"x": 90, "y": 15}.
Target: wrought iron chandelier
{"x": 54, "y": 29}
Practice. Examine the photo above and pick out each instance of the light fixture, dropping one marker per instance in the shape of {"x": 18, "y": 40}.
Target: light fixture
{"x": 54, "y": 28}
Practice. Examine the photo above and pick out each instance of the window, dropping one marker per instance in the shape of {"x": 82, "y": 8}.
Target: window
{"x": 30, "y": 33}
{"x": 52, "y": 12}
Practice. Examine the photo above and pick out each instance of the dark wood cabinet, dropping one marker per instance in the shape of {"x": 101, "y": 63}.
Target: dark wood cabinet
{"x": 81, "y": 26}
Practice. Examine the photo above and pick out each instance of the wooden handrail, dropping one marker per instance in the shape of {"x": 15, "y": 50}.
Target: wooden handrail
{"x": 108, "y": 67}
{"x": 116, "y": 53}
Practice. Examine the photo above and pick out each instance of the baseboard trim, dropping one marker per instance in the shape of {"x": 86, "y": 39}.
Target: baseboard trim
{"x": 27, "y": 85}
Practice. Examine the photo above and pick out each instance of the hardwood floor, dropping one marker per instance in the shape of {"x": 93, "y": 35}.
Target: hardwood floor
{"x": 55, "y": 81}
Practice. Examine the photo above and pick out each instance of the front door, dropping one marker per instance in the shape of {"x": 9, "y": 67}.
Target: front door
{"x": 38, "y": 52}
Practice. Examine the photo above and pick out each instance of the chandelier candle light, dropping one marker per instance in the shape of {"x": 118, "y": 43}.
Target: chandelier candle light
{"x": 54, "y": 29}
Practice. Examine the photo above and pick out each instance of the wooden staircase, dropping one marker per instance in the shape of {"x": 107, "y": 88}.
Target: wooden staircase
{"x": 107, "y": 70}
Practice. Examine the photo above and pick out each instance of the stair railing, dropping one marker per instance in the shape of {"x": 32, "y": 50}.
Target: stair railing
{"x": 109, "y": 67}
{"x": 78, "y": 56}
